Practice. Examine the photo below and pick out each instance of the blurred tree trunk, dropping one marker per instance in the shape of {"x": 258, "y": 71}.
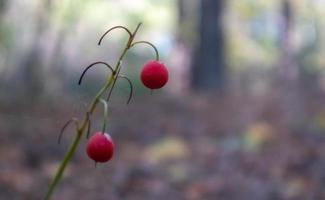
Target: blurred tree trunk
{"x": 208, "y": 68}
{"x": 182, "y": 47}
{"x": 32, "y": 61}
{"x": 181, "y": 10}
{"x": 187, "y": 13}
{"x": 289, "y": 82}
{"x": 3, "y": 4}
{"x": 289, "y": 70}
{"x": 57, "y": 64}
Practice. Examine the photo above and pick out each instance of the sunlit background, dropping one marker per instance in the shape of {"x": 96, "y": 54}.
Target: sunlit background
{"x": 242, "y": 116}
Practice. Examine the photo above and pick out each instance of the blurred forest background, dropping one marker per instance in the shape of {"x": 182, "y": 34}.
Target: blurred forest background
{"x": 242, "y": 117}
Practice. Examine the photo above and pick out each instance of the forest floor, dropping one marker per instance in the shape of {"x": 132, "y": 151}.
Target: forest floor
{"x": 231, "y": 147}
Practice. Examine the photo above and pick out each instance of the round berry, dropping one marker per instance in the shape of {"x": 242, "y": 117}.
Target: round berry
{"x": 154, "y": 74}
{"x": 100, "y": 147}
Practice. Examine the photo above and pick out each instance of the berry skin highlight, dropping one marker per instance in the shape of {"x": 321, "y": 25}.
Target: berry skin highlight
{"x": 154, "y": 75}
{"x": 100, "y": 147}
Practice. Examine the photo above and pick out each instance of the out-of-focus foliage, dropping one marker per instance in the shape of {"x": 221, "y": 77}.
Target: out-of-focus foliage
{"x": 66, "y": 33}
{"x": 262, "y": 139}
{"x": 169, "y": 148}
{"x": 254, "y": 32}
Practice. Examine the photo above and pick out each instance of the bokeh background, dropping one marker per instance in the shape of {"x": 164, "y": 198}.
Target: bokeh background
{"x": 242, "y": 116}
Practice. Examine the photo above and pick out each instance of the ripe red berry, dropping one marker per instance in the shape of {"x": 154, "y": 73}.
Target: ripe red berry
{"x": 154, "y": 74}
{"x": 100, "y": 147}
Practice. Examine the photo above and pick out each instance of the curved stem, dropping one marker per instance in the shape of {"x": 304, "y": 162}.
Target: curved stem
{"x": 118, "y": 66}
{"x": 88, "y": 129}
{"x": 89, "y": 124}
{"x": 114, "y": 82}
{"x": 105, "y": 115}
{"x": 150, "y": 44}
{"x": 131, "y": 87}
{"x": 110, "y": 80}
{"x": 91, "y": 65}
{"x": 109, "y": 30}
{"x": 75, "y": 120}
{"x": 70, "y": 152}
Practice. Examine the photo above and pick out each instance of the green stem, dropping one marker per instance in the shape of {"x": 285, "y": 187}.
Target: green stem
{"x": 105, "y": 115}
{"x": 70, "y": 152}
{"x": 118, "y": 65}
{"x": 63, "y": 165}
{"x": 80, "y": 130}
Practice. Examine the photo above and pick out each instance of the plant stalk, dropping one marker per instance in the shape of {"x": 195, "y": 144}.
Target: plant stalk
{"x": 80, "y": 130}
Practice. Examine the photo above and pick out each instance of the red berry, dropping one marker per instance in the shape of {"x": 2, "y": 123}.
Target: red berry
{"x": 154, "y": 74}
{"x": 100, "y": 147}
